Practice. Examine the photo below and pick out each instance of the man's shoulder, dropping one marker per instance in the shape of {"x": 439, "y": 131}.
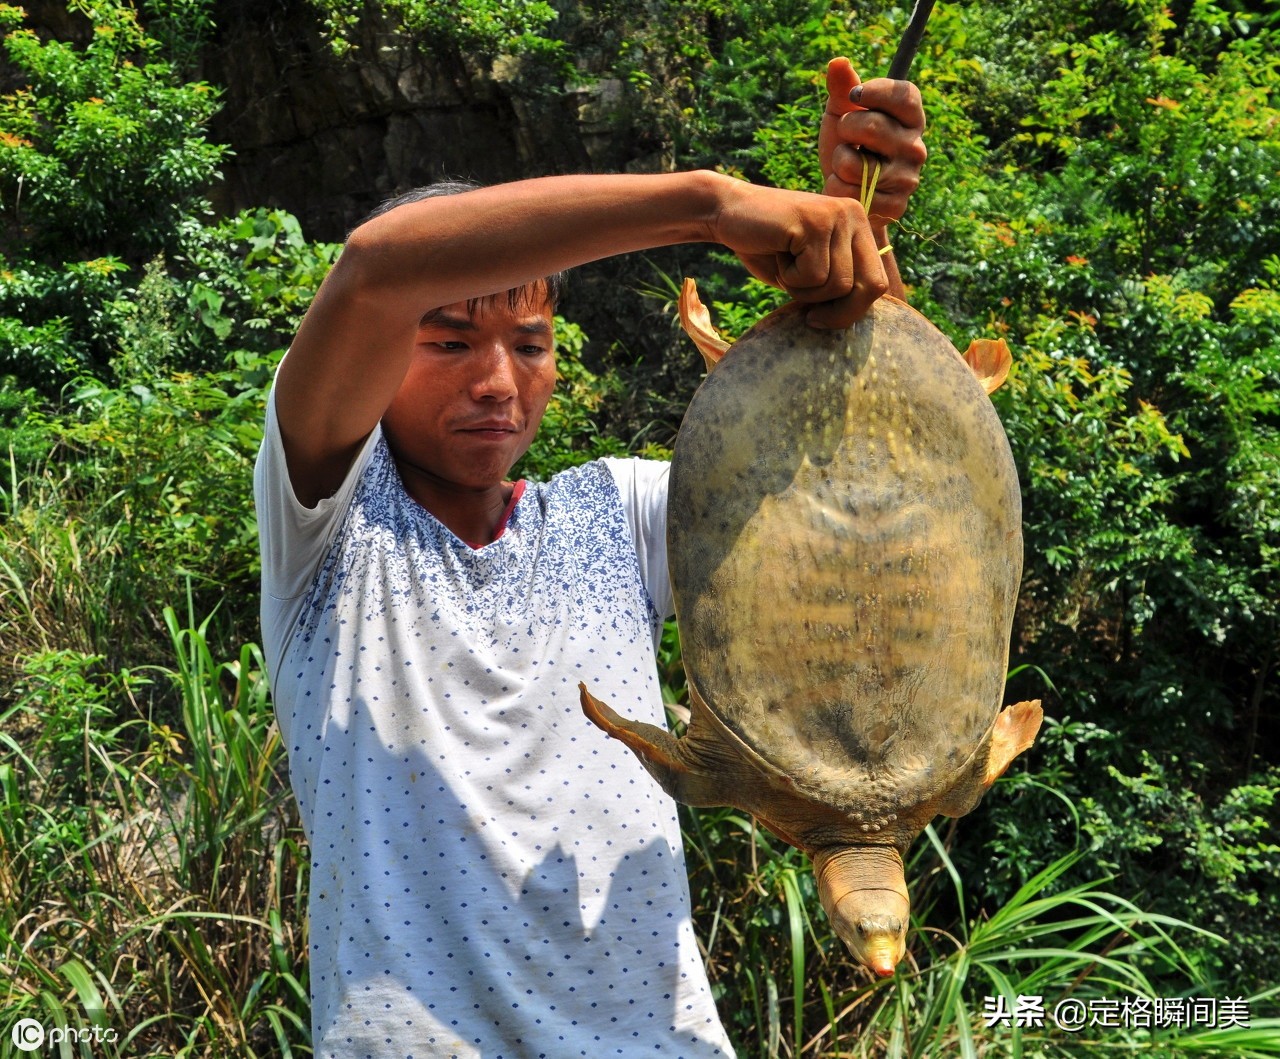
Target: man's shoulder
{"x": 635, "y": 469}
{"x": 626, "y": 493}
{"x": 624, "y": 479}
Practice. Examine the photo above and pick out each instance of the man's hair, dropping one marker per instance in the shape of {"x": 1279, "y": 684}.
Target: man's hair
{"x": 552, "y": 286}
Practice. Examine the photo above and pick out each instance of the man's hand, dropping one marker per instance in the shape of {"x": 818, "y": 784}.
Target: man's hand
{"x": 817, "y": 248}
{"x": 885, "y": 124}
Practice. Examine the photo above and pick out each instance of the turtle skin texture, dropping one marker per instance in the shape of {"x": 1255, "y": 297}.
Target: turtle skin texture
{"x": 845, "y": 548}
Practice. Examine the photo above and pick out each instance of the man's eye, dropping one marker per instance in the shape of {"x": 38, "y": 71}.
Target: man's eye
{"x": 531, "y": 351}
{"x": 452, "y": 346}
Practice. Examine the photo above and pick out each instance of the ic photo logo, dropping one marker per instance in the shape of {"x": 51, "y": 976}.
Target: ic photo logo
{"x": 29, "y": 1035}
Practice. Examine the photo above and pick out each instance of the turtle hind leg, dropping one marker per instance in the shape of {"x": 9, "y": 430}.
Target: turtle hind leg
{"x": 667, "y": 759}
{"x": 990, "y": 360}
{"x": 1015, "y": 730}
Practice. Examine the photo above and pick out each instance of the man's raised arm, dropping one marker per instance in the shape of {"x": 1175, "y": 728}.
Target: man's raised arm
{"x": 355, "y": 344}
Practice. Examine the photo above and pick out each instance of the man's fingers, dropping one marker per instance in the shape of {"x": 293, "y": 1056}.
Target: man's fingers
{"x": 883, "y": 127}
{"x": 841, "y": 80}
{"x": 817, "y": 248}
{"x": 870, "y": 281}
{"x": 885, "y": 135}
{"x": 839, "y": 313}
{"x": 852, "y": 169}
{"x": 899, "y": 99}
{"x": 814, "y": 268}
{"x": 856, "y": 276}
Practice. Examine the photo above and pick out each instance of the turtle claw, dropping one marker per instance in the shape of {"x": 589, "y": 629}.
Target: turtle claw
{"x": 672, "y": 761}
{"x": 696, "y": 321}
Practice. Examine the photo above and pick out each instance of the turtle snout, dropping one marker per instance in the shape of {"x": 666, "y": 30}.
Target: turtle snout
{"x": 882, "y": 941}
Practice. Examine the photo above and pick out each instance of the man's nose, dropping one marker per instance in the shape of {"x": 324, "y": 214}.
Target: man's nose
{"x": 496, "y": 380}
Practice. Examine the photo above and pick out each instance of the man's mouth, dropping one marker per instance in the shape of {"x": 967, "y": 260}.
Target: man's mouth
{"x": 489, "y": 429}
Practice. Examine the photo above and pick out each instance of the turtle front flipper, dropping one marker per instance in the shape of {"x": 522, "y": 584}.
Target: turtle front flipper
{"x": 672, "y": 762}
{"x": 990, "y": 360}
{"x": 696, "y": 321}
{"x": 1013, "y": 731}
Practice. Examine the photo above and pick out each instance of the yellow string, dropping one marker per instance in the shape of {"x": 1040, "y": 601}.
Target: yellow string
{"x": 869, "y": 192}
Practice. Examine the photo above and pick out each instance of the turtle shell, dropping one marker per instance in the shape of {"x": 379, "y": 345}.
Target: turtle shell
{"x": 844, "y": 533}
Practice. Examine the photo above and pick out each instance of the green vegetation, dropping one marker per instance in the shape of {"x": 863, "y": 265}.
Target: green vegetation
{"x": 1100, "y": 192}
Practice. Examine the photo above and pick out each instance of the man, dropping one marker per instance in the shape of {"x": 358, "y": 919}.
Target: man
{"x": 490, "y": 875}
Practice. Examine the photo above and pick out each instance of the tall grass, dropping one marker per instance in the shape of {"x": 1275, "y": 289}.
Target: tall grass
{"x": 153, "y": 879}
{"x": 151, "y": 876}
{"x": 54, "y": 568}
{"x": 787, "y": 986}
{"x": 152, "y": 886}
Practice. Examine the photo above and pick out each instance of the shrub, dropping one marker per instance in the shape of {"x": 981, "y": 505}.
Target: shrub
{"x": 102, "y": 159}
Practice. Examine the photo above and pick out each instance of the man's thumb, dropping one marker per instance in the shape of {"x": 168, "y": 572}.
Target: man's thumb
{"x": 841, "y": 80}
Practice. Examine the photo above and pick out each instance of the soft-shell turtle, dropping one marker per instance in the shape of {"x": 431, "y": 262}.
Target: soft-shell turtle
{"x": 845, "y": 546}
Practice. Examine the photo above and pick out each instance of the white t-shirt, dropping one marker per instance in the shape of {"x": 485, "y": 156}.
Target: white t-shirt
{"x": 491, "y": 875}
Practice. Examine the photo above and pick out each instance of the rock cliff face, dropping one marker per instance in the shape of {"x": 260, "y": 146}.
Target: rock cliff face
{"x": 328, "y": 138}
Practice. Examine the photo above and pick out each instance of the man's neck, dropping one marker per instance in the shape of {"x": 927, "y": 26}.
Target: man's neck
{"x": 475, "y": 516}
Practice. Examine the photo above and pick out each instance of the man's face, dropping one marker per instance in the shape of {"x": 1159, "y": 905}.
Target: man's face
{"x": 475, "y": 392}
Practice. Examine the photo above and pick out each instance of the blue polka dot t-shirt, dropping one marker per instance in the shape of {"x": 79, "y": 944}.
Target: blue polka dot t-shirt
{"x": 491, "y": 875}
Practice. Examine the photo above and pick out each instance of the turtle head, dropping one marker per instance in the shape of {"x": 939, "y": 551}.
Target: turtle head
{"x": 873, "y": 924}
{"x": 864, "y": 894}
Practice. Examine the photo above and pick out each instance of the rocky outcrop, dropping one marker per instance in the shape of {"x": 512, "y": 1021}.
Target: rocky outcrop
{"x": 327, "y": 138}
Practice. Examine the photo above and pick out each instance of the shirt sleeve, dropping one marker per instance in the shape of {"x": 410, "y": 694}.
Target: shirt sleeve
{"x": 294, "y": 538}
{"x": 642, "y": 485}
